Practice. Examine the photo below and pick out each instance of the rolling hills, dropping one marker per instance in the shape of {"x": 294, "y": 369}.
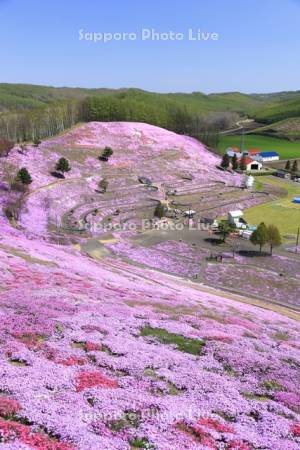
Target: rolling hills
{"x": 22, "y": 96}
{"x": 29, "y": 112}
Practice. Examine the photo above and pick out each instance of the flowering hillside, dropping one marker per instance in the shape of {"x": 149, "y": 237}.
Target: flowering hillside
{"x": 95, "y": 356}
{"x": 111, "y": 355}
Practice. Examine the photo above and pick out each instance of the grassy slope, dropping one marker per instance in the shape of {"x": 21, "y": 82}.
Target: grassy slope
{"x": 232, "y": 101}
{"x": 281, "y": 212}
{"x": 287, "y": 128}
{"x": 285, "y": 148}
{"x": 279, "y": 111}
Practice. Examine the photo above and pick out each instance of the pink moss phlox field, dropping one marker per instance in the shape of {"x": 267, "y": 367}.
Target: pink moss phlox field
{"x": 105, "y": 354}
{"x": 75, "y": 362}
{"x": 161, "y": 155}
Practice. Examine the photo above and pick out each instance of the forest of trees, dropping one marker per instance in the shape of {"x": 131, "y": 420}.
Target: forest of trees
{"x": 52, "y": 119}
{"x": 39, "y": 123}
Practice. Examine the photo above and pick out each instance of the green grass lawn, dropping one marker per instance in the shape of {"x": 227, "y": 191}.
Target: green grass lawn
{"x": 285, "y": 148}
{"x": 282, "y": 212}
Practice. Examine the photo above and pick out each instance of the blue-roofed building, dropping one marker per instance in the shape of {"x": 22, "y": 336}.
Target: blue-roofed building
{"x": 267, "y": 156}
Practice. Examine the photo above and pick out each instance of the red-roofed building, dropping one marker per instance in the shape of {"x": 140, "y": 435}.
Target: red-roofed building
{"x": 253, "y": 151}
{"x": 251, "y": 164}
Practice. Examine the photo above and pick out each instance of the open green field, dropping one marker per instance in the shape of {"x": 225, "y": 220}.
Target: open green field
{"x": 285, "y": 148}
{"x": 282, "y": 212}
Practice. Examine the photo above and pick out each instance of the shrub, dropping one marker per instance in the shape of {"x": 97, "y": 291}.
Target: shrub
{"x": 288, "y": 165}
{"x": 106, "y": 154}
{"x": 295, "y": 166}
{"x": 13, "y": 208}
{"x": 24, "y": 177}
{"x": 159, "y": 211}
{"x": 63, "y": 165}
{"x": 103, "y": 185}
{"x": 225, "y": 161}
{"x": 234, "y": 162}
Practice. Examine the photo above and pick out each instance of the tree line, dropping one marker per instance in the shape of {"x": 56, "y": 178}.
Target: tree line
{"x": 39, "y": 123}
{"x": 52, "y": 119}
{"x": 261, "y": 236}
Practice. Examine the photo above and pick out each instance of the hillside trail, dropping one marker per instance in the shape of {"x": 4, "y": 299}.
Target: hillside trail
{"x": 178, "y": 284}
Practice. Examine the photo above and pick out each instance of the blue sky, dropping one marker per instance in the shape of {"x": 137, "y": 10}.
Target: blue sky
{"x": 257, "y": 49}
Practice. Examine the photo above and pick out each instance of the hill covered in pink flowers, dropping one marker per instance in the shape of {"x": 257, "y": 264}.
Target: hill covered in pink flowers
{"x": 108, "y": 354}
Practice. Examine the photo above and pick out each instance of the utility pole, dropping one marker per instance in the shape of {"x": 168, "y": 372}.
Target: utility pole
{"x": 242, "y": 139}
{"x": 297, "y": 243}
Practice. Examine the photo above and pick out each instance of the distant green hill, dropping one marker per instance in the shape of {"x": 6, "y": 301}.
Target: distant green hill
{"x": 287, "y": 129}
{"x": 26, "y": 96}
{"x": 279, "y": 111}
{"x": 263, "y": 106}
{"x": 31, "y": 112}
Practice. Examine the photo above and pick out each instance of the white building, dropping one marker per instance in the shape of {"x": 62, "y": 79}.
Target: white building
{"x": 246, "y": 234}
{"x": 267, "y": 156}
{"x": 252, "y": 164}
{"x": 235, "y": 218}
{"x": 231, "y": 151}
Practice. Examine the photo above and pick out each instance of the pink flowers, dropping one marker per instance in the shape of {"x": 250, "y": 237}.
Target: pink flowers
{"x": 8, "y": 406}
{"x": 295, "y": 429}
{"x": 87, "y": 380}
{"x": 10, "y": 430}
{"x": 213, "y": 424}
{"x": 92, "y": 347}
{"x": 199, "y": 434}
{"x": 289, "y": 399}
{"x": 31, "y": 340}
{"x": 72, "y": 361}
{"x": 224, "y": 339}
{"x": 203, "y": 431}
{"x": 238, "y": 445}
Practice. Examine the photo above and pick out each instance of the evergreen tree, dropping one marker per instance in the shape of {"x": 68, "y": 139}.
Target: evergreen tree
{"x": 224, "y": 229}
{"x": 274, "y": 237}
{"x": 288, "y": 165}
{"x": 63, "y": 165}
{"x": 260, "y": 236}
{"x": 234, "y": 162}
{"x": 243, "y": 163}
{"x": 159, "y": 211}
{"x": 225, "y": 161}
{"x": 295, "y": 166}
{"x": 24, "y": 177}
{"x": 106, "y": 154}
